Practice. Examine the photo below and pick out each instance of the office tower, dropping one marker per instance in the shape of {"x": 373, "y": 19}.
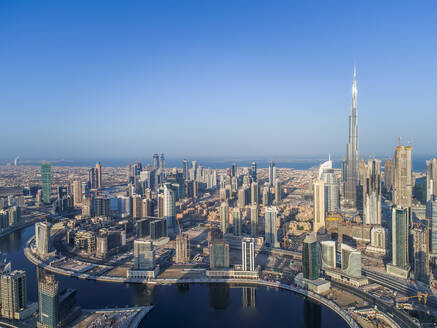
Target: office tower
{"x": 431, "y": 178}
{"x": 185, "y": 169}
{"x": 254, "y": 193}
{"x": 389, "y": 175}
{"x": 372, "y": 193}
{"x": 278, "y": 194}
{"x": 350, "y": 261}
{"x": 236, "y": 218}
{"x": 137, "y": 207}
{"x": 46, "y": 181}
{"x": 155, "y": 161}
{"x": 254, "y": 218}
{"x": 144, "y": 255}
{"x": 329, "y": 255}
{"x": 99, "y": 176}
{"x": 431, "y": 215}
{"x": 218, "y": 254}
{"x": 13, "y": 294}
{"x": 182, "y": 248}
{"x": 48, "y": 290}
{"x": 400, "y": 244}
{"x": 272, "y": 173}
{"x": 420, "y": 254}
{"x": 266, "y": 195}
{"x": 319, "y": 205}
{"x": 332, "y": 191}
{"x": 102, "y": 206}
{"x": 147, "y": 208}
{"x": 403, "y": 187}
{"x": 248, "y": 254}
{"x": 234, "y": 169}
{"x": 224, "y": 217}
{"x": 324, "y": 167}
{"x": 92, "y": 178}
{"x": 42, "y": 238}
{"x": 271, "y": 231}
{"x": 311, "y": 257}
{"x": 169, "y": 204}
{"x": 77, "y": 192}
{"x": 351, "y": 164}
{"x": 253, "y": 171}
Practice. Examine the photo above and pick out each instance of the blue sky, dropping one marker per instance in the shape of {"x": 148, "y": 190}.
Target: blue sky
{"x": 113, "y": 79}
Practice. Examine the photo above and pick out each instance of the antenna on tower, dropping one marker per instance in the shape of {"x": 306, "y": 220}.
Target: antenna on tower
{"x": 399, "y": 141}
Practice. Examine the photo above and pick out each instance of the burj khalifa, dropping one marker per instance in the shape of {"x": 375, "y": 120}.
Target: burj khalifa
{"x": 351, "y": 168}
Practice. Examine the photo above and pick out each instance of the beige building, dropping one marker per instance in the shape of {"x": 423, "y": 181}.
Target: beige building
{"x": 319, "y": 205}
{"x": 403, "y": 187}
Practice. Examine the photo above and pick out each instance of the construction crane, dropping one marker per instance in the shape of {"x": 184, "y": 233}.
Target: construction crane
{"x": 421, "y": 296}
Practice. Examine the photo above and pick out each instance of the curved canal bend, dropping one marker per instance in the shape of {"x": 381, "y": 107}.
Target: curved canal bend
{"x": 214, "y": 305}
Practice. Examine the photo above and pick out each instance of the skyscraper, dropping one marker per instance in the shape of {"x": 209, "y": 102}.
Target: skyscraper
{"x": 331, "y": 191}
{"x": 431, "y": 178}
{"x": 77, "y": 192}
{"x": 182, "y": 248}
{"x": 432, "y": 217}
{"x": 351, "y": 165}
{"x": 271, "y": 231}
{"x": 350, "y": 261}
{"x": 99, "y": 175}
{"x": 389, "y": 175}
{"x": 224, "y": 217}
{"x": 48, "y": 289}
{"x": 185, "y": 169}
{"x": 272, "y": 173}
{"x": 311, "y": 257}
{"x": 102, "y": 206}
{"x": 219, "y": 254}
{"x": 155, "y": 161}
{"x": 248, "y": 254}
{"x": 254, "y": 193}
{"x": 329, "y": 255}
{"x": 372, "y": 193}
{"x": 254, "y": 220}
{"x": 42, "y": 238}
{"x": 46, "y": 181}
{"x": 319, "y": 205}
{"x": 92, "y": 178}
{"x": 278, "y": 191}
{"x": 236, "y": 217}
{"x": 403, "y": 188}
{"x": 400, "y": 242}
{"x": 144, "y": 255}
{"x": 169, "y": 204}
{"x": 13, "y": 294}
{"x": 253, "y": 171}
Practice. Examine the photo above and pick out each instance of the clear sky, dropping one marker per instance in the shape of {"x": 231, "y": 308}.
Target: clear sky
{"x": 113, "y": 79}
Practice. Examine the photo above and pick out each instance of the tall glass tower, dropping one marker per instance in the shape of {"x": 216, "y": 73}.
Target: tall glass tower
{"x": 351, "y": 169}
{"x": 46, "y": 181}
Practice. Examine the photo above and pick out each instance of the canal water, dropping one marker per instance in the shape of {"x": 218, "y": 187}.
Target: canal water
{"x": 210, "y": 306}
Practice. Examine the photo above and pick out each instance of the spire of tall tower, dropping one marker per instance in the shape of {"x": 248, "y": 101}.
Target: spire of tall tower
{"x": 354, "y": 90}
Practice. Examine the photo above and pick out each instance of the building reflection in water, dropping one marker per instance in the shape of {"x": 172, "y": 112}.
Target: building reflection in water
{"x": 312, "y": 314}
{"x": 10, "y": 242}
{"x": 143, "y": 294}
{"x": 249, "y": 297}
{"x": 219, "y": 296}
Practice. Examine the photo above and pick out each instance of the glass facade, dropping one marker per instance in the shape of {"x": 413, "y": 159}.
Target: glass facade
{"x": 46, "y": 181}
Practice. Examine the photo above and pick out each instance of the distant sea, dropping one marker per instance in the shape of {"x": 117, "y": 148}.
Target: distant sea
{"x": 419, "y": 162}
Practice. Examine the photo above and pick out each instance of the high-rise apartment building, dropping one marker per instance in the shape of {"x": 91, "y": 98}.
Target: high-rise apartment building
{"x": 431, "y": 209}
{"x": 403, "y": 187}
{"x": 219, "y": 254}
{"x": 272, "y": 173}
{"x": 319, "y": 205}
{"x": 248, "y": 254}
{"x": 48, "y": 289}
{"x": 389, "y": 175}
{"x": 236, "y": 219}
{"x": 77, "y": 192}
{"x": 46, "y": 181}
{"x": 420, "y": 250}
{"x": 254, "y": 218}
{"x": 102, "y": 206}
{"x": 311, "y": 257}
{"x": 278, "y": 191}
{"x": 137, "y": 207}
{"x": 254, "y": 193}
{"x": 182, "y": 248}
{"x": 431, "y": 178}
{"x": 155, "y": 161}
{"x": 253, "y": 171}
{"x": 271, "y": 231}
{"x": 169, "y": 205}
{"x": 13, "y": 294}
{"x": 144, "y": 255}
{"x": 224, "y": 217}
{"x": 185, "y": 169}
{"x": 332, "y": 190}
{"x": 372, "y": 193}
{"x": 42, "y": 238}
{"x": 99, "y": 176}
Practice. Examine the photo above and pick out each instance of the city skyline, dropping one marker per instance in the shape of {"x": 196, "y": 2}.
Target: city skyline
{"x": 199, "y": 68}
